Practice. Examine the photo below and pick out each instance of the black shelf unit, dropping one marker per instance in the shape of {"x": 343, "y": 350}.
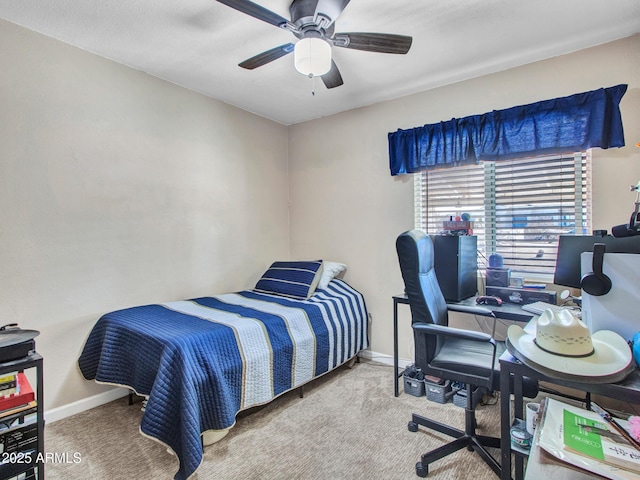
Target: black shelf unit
{"x": 35, "y": 468}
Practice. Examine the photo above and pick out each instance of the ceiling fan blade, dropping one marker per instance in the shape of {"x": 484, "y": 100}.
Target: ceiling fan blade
{"x": 330, "y": 9}
{"x": 332, "y": 78}
{"x": 256, "y": 11}
{"x": 266, "y": 57}
{"x": 373, "y": 42}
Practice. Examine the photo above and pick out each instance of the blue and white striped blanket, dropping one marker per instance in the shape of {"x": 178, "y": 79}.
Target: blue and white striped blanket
{"x": 203, "y": 360}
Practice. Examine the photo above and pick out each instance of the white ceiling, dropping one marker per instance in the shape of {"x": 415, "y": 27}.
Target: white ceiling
{"x": 198, "y": 44}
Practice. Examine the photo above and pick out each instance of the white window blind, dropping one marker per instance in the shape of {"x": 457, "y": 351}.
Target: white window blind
{"x": 518, "y": 207}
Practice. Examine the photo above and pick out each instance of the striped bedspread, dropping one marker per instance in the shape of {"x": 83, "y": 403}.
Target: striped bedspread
{"x": 203, "y": 360}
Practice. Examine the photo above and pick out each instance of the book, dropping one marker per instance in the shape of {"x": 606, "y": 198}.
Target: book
{"x": 25, "y": 409}
{"x": 559, "y": 417}
{"x": 22, "y": 397}
{"x": 8, "y": 377}
{"x": 9, "y": 384}
{"x": 19, "y": 438}
{"x": 9, "y": 391}
{"x": 596, "y": 439}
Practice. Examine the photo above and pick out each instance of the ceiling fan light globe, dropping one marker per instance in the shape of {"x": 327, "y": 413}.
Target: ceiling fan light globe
{"x": 312, "y": 56}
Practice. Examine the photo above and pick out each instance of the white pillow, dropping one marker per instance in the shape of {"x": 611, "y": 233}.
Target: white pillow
{"x": 330, "y": 270}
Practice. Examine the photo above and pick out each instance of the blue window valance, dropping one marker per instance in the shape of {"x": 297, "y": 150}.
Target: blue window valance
{"x": 561, "y": 125}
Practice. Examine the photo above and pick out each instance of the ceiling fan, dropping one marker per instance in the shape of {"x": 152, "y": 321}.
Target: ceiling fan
{"x": 313, "y": 23}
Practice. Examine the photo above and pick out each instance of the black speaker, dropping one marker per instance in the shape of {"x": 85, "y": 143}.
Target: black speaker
{"x": 456, "y": 265}
{"x": 498, "y": 277}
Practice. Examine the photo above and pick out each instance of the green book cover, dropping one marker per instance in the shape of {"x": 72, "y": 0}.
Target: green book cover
{"x": 596, "y": 440}
{"x": 581, "y": 439}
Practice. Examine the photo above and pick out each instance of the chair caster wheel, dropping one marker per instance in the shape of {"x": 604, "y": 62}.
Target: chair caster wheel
{"x": 412, "y": 426}
{"x": 422, "y": 470}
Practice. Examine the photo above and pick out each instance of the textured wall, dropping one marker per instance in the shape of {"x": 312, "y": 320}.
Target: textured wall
{"x": 117, "y": 189}
{"x": 345, "y": 205}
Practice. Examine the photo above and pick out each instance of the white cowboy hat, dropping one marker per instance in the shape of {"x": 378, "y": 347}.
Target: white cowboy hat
{"x": 562, "y": 347}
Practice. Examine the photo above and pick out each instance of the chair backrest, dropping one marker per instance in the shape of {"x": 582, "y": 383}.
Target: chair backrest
{"x": 415, "y": 254}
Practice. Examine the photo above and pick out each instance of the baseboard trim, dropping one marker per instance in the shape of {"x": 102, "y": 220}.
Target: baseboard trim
{"x": 94, "y": 401}
{"x": 85, "y": 404}
{"x": 384, "y": 358}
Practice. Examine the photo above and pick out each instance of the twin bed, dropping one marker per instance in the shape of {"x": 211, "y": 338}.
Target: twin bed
{"x": 201, "y": 361}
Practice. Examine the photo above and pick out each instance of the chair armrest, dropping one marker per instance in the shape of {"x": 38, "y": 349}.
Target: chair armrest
{"x": 432, "y": 329}
{"x": 484, "y": 312}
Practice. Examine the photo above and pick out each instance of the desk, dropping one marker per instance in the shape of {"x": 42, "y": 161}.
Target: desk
{"x": 628, "y": 389}
{"x": 507, "y": 311}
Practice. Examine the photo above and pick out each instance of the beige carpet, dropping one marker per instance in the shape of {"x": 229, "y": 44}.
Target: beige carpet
{"x": 348, "y": 426}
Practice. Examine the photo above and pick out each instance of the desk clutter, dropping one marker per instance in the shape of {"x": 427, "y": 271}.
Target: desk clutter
{"x": 458, "y": 225}
{"x": 500, "y": 284}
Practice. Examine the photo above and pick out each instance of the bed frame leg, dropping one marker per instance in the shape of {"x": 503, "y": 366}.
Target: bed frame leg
{"x": 301, "y": 392}
{"x": 135, "y": 398}
{"x": 352, "y": 361}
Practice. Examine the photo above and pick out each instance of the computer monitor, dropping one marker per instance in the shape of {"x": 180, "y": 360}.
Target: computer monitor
{"x": 567, "y": 272}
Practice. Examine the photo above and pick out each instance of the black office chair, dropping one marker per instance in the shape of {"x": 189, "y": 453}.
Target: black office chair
{"x": 464, "y": 356}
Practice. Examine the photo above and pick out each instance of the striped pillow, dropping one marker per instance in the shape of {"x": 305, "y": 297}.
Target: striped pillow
{"x": 291, "y": 279}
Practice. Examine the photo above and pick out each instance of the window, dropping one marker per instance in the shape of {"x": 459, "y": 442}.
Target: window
{"x": 518, "y": 207}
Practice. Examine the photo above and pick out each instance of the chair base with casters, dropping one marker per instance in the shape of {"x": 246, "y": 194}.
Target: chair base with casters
{"x": 466, "y": 438}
